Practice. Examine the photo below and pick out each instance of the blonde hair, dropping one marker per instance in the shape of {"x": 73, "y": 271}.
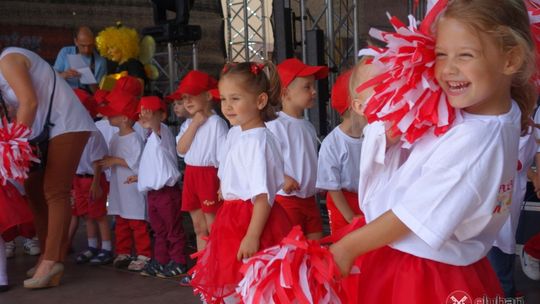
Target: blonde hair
{"x": 507, "y": 22}
{"x": 120, "y": 37}
{"x": 258, "y": 78}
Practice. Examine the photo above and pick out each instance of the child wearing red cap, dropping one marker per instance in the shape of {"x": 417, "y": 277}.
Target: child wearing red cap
{"x": 251, "y": 172}
{"x": 125, "y": 201}
{"x": 90, "y": 190}
{"x": 158, "y": 174}
{"x": 198, "y": 142}
{"x": 339, "y": 159}
{"x": 298, "y": 140}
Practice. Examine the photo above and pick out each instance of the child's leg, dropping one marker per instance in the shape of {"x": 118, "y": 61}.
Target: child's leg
{"x": 105, "y": 233}
{"x": 503, "y": 264}
{"x": 123, "y": 236}
{"x": 158, "y": 224}
{"x": 200, "y": 227}
{"x": 209, "y": 217}
{"x": 139, "y": 229}
{"x": 3, "y": 271}
{"x": 73, "y": 226}
{"x": 91, "y": 232}
{"x": 172, "y": 217}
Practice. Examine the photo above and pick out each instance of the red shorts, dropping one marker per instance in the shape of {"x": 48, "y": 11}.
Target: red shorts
{"x": 337, "y": 221}
{"x": 201, "y": 185}
{"x": 84, "y": 205}
{"x": 303, "y": 212}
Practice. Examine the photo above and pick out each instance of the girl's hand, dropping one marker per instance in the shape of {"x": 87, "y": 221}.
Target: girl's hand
{"x": 248, "y": 247}
{"x": 95, "y": 192}
{"x": 290, "y": 184}
{"x": 342, "y": 259}
{"x": 219, "y": 194}
{"x": 107, "y": 162}
{"x": 132, "y": 179}
{"x": 199, "y": 118}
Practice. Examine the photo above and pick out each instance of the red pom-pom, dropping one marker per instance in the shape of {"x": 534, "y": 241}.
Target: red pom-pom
{"x": 15, "y": 152}
{"x": 296, "y": 271}
{"x": 406, "y": 94}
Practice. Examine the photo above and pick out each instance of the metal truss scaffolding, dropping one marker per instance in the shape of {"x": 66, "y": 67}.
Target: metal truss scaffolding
{"x": 246, "y": 30}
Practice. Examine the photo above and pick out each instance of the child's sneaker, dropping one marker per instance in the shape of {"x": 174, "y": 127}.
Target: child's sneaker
{"x": 31, "y": 246}
{"x": 85, "y": 256}
{"x": 138, "y": 264}
{"x": 185, "y": 281}
{"x": 104, "y": 257}
{"x": 10, "y": 249}
{"x": 122, "y": 261}
{"x": 530, "y": 266}
{"x": 152, "y": 269}
{"x": 173, "y": 270}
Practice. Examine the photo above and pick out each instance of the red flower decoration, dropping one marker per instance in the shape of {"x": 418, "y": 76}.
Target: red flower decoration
{"x": 256, "y": 68}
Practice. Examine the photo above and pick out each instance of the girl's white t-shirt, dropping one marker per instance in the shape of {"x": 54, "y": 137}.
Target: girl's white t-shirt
{"x": 453, "y": 192}
{"x": 204, "y": 148}
{"x": 339, "y": 162}
{"x": 253, "y": 165}
{"x": 298, "y": 141}
{"x": 125, "y": 199}
{"x": 67, "y": 112}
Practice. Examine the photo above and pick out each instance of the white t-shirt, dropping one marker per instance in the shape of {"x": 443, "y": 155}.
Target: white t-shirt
{"x": 95, "y": 149}
{"x": 233, "y": 134}
{"x": 67, "y": 113}
{"x": 453, "y": 192}
{"x": 537, "y": 130}
{"x": 298, "y": 141}
{"x": 203, "y": 151}
{"x": 252, "y": 166}
{"x": 506, "y": 240}
{"x": 158, "y": 167}
{"x": 125, "y": 199}
{"x": 339, "y": 162}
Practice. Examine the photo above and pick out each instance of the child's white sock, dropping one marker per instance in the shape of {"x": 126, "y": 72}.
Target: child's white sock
{"x": 3, "y": 262}
{"x": 107, "y": 245}
{"x": 92, "y": 242}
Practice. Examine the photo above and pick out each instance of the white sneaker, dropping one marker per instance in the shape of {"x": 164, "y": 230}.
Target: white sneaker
{"x": 31, "y": 246}
{"x": 10, "y": 249}
{"x": 530, "y": 266}
{"x": 139, "y": 263}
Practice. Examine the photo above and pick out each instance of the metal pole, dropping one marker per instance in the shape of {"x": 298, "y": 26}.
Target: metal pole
{"x": 355, "y": 30}
{"x": 246, "y": 30}
{"x": 229, "y": 27}
{"x": 195, "y": 50}
{"x": 330, "y": 38}
{"x": 263, "y": 20}
{"x": 170, "y": 59}
{"x": 303, "y": 28}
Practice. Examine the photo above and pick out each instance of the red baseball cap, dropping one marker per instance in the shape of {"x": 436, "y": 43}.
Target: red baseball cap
{"x": 99, "y": 96}
{"x": 291, "y": 68}
{"x": 125, "y": 85}
{"x": 340, "y": 97}
{"x": 194, "y": 83}
{"x": 152, "y": 103}
{"x": 87, "y": 100}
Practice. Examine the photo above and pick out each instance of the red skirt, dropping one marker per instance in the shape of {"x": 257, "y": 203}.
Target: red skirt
{"x": 391, "y": 276}
{"x": 216, "y": 274}
{"x": 14, "y": 211}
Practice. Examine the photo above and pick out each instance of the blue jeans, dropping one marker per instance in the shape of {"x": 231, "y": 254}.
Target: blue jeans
{"x": 503, "y": 264}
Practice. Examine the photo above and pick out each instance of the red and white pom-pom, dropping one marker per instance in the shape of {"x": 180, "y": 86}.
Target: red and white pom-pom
{"x": 406, "y": 93}
{"x": 15, "y": 151}
{"x": 533, "y": 6}
{"x": 295, "y": 271}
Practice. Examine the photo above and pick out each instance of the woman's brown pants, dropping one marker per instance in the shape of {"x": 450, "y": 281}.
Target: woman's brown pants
{"x": 49, "y": 192}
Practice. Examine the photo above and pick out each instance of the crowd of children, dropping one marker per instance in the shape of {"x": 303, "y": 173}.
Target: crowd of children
{"x": 429, "y": 214}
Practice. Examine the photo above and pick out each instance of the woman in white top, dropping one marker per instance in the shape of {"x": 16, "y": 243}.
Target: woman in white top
{"x": 29, "y": 84}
